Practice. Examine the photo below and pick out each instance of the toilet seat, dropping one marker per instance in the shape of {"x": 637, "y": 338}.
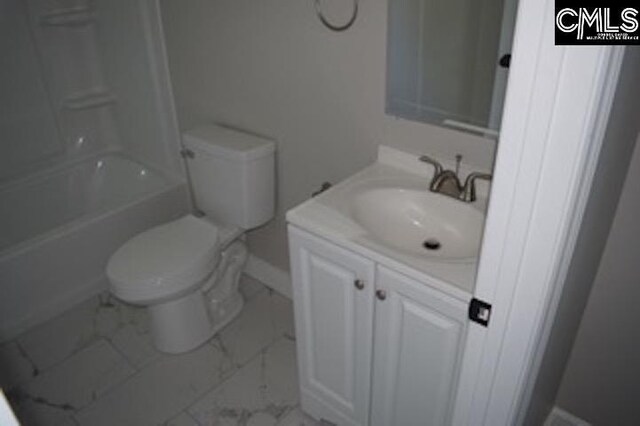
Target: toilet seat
{"x": 164, "y": 261}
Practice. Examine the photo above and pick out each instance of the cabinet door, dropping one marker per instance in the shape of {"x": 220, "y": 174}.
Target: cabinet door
{"x": 418, "y": 338}
{"x": 333, "y": 303}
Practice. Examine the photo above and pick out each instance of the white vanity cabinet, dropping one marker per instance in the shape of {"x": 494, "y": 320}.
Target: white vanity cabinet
{"x": 333, "y": 304}
{"x": 418, "y": 337}
{"x": 374, "y": 346}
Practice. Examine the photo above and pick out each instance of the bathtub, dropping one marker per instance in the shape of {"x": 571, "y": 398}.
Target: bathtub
{"x": 58, "y": 229}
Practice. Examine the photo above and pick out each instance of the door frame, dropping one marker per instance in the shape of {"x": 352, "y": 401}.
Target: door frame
{"x": 556, "y": 110}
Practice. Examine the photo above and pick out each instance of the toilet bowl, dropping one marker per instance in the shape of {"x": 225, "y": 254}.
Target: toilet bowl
{"x": 186, "y": 272}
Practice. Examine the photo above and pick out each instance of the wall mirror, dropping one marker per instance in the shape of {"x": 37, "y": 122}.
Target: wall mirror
{"x": 448, "y": 61}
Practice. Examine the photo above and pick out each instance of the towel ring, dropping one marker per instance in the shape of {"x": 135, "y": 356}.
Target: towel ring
{"x": 334, "y": 27}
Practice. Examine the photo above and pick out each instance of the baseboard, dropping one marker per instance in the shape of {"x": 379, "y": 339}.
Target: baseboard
{"x": 560, "y": 417}
{"x": 271, "y": 276}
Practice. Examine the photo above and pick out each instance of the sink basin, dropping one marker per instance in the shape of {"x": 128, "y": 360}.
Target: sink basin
{"x": 419, "y": 222}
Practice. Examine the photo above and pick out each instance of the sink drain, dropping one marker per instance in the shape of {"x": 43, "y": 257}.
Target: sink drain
{"x": 431, "y": 244}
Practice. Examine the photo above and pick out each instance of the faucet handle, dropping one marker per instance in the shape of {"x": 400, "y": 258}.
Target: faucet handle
{"x": 469, "y": 190}
{"x": 436, "y": 165}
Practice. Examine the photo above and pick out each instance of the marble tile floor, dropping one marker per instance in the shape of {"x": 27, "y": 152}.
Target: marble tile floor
{"x": 95, "y": 365}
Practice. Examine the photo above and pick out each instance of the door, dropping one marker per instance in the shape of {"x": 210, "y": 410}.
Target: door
{"x": 419, "y": 333}
{"x": 333, "y": 292}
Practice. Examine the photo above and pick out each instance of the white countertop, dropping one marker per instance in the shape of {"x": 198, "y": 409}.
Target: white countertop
{"x": 329, "y": 216}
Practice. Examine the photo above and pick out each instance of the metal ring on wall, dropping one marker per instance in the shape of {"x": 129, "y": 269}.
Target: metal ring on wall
{"x": 336, "y": 27}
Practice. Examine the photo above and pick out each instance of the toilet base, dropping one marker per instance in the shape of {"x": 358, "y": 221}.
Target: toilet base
{"x": 185, "y": 323}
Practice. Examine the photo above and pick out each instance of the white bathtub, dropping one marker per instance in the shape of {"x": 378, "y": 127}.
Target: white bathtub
{"x": 58, "y": 229}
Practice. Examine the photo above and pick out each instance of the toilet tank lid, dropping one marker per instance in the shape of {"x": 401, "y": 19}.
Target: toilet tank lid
{"x": 228, "y": 143}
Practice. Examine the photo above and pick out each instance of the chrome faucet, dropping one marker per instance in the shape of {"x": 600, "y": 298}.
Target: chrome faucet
{"x": 469, "y": 189}
{"x": 444, "y": 181}
{"x": 448, "y": 183}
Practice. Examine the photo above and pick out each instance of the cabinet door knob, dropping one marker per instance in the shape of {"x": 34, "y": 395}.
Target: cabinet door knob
{"x": 381, "y": 294}
{"x": 359, "y": 284}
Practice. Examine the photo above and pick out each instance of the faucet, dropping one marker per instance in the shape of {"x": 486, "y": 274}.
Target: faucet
{"x": 448, "y": 183}
{"x": 469, "y": 189}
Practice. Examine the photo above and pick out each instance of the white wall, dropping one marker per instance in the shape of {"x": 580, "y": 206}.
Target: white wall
{"x": 617, "y": 148}
{"x": 601, "y": 383}
{"x": 272, "y": 68}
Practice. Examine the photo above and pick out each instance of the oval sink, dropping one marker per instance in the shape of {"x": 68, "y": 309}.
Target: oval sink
{"x": 420, "y": 222}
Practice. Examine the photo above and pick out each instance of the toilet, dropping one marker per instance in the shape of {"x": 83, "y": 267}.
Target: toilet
{"x": 186, "y": 272}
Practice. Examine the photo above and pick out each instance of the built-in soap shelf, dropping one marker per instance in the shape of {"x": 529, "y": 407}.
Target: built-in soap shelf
{"x": 68, "y": 17}
{"x": 90, "y": 99}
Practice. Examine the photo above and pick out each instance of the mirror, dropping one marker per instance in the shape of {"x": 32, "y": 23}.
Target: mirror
{"x": 447, "y": 61}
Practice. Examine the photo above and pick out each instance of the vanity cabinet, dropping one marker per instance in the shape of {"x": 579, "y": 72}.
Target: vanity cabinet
{"x": 418, "y": 338}
{"x": 375, "y": 347}
{"x": 333, "y": 306}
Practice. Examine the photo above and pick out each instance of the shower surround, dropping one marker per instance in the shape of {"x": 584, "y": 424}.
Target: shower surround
{"x": 89, "y": 147}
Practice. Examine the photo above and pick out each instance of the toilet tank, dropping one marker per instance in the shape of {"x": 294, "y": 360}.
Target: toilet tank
{"x": 232, "y": 175}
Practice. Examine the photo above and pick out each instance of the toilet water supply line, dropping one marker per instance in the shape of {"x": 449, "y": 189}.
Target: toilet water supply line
{"x": 334, "y": 27}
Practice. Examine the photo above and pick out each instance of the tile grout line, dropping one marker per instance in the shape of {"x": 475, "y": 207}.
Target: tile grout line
{"x": 187, "y": 413}
{"x": 225, "y": 378}
{"x": 113, "y": 388}
{"x": 122, "y": 354}
{"x": 95, "y": 337}
{"x": 62, "y": 360}
{"x": 237, "y": 369}
{"x": 35, "y": 371}
{"x": 20, "y": 386}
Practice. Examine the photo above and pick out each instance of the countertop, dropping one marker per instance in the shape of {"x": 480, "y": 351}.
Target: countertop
{"x": 328, "y": 216}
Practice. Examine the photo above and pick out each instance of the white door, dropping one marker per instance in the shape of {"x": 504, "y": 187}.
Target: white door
{"x": 419, "y": 333}
{"x": 555, "y": 115}
{"x": 334, "y": 315}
